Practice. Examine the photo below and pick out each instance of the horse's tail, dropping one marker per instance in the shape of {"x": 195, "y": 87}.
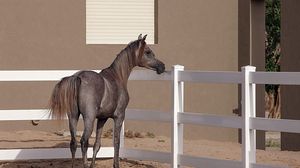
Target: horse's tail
{"x": 64, "y": 97}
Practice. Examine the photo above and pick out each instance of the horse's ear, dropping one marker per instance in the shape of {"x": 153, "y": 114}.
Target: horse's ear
{"x": 140, "y": 37}
{"x": 144, "y": 38}
{"x": 142, "y": 45}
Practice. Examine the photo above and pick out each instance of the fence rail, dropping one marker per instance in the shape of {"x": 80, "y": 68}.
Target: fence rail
{"x": 50, "y": 153}
{"x": 210, "y": 77}
{"x": 55, "y": 75}
{"x": 248, "y": 122}
{"x": 210, "y": 120}
{"x": 282, "y": 78}
{"x": 278, "y": 125}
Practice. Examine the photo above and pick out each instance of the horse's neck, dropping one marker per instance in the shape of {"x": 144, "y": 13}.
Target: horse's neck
{"x": 122, "y": 66}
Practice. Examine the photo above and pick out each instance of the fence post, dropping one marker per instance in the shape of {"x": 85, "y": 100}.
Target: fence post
{"x": 177, "y": 128}
{"x": 122, "y": 136}
{"x": 248, "y": 111}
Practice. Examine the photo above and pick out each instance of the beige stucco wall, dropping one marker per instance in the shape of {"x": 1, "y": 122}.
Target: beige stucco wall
{"x": 50, "y": 34}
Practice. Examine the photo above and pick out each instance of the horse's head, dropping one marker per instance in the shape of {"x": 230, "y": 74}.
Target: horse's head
{"x": 146, "y": 58}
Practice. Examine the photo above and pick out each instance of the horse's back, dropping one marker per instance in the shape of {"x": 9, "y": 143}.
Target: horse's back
{"x": 90, "y": 79}
{"x": 98, "y": 95}
{"x": 91, "y": 91}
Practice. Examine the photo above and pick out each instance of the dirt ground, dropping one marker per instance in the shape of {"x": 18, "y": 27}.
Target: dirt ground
{"x": 204, "y": 148}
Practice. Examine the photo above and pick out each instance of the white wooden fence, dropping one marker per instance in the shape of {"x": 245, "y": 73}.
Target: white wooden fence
{"x": 248, "y": 78}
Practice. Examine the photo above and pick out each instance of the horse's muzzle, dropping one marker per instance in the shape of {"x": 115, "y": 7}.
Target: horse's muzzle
{"x": 160, "y": 68}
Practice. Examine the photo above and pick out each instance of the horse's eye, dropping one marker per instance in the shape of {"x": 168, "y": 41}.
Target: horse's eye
{"x": 148, "y": 52}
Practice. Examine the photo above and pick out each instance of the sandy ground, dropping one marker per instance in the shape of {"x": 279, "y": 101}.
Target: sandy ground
{"x": 205, "y": 148}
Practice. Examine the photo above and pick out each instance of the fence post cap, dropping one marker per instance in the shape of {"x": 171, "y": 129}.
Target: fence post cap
{"x": 248, "y": 68}
{"x": 179, "y": 67}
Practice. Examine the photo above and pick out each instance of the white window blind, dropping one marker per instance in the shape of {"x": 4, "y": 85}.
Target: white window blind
{"x": 119, "y": 21}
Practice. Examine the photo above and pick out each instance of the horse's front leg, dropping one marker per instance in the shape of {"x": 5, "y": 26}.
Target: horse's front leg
{"x": 117, "y": 131}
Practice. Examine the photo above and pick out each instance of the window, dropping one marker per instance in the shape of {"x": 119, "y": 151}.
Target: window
{"x": 119, "y": 21}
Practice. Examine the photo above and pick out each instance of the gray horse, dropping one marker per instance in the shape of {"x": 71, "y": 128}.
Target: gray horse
{"x": 100, "y": 96}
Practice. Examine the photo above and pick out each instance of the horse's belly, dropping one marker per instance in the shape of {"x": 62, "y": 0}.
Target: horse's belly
{"x": 107, "y": 108}
{"x": 109, "y": 101}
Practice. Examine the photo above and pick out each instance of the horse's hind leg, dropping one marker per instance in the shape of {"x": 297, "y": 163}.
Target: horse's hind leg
{"x": 88, "y": 128}
{"x": 73, "y": 120}
{"x": 97, "y": 144}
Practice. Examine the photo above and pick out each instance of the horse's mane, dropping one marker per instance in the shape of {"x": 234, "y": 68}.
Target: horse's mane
{"x": 131, "y": 47}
